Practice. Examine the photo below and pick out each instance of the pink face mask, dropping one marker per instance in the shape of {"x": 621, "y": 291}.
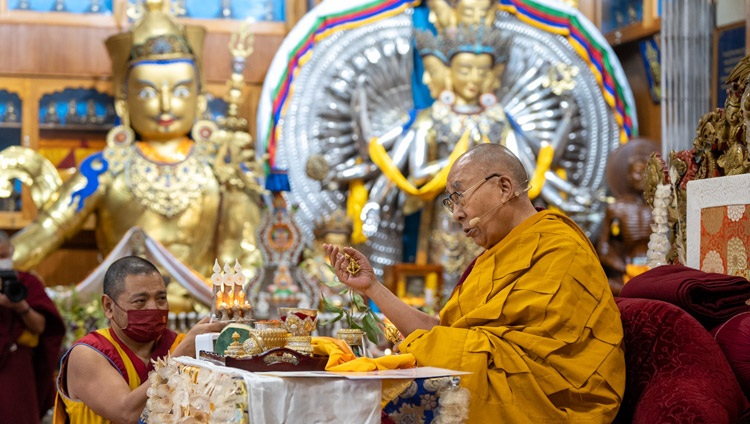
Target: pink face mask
{"x": 145, "y": 325}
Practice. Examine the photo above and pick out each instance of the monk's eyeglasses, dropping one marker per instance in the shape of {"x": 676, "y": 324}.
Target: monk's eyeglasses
{"x": 457, "y": 198}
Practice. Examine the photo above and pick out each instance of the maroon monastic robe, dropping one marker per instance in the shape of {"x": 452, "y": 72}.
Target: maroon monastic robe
{"x": 27, "y": 374}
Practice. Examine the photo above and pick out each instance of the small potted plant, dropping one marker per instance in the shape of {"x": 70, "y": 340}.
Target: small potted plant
{"x": 360, "y": 320}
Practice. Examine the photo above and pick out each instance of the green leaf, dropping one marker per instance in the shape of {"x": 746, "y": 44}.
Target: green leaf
{"x": 359, "y": 302}
{"x": 334, "y": 319}
{"x": 371, "y": 328}
{"x": 332, "y": 284}
{"x": 330, "y": 307}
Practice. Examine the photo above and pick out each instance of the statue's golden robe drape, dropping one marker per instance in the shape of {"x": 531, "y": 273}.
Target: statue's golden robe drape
{"x": 536, "y": 324}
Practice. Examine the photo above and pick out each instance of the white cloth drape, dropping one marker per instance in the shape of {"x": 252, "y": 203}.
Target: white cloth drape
{"x": 157, "y": 253}
{"x": 305, "y": 400}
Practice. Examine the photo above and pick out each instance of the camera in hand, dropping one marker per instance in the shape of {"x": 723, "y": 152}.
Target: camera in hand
{"x": 11, "y": 287}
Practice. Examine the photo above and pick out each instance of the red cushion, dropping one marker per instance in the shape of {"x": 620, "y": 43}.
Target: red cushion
{"x": 676, "y": 372}
{"x": 734, "y": 338}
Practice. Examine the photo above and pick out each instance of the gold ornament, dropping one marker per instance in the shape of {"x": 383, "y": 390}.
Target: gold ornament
{"x": 353, "y": 268}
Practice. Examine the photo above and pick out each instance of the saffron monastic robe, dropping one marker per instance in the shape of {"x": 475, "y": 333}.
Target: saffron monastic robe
{"x": 536, "y": 324}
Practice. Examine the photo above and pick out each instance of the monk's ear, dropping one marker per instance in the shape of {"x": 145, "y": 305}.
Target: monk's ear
{"x": 108, "y": 306}
{"x": 505, "y": 185}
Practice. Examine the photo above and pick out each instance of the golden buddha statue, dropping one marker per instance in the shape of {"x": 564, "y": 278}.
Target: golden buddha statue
{"x": 194, "y": 195}
{"x": 449, "y": 14}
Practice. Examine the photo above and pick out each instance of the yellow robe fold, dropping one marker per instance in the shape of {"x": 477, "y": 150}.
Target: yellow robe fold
{"x": 537, "y": 325}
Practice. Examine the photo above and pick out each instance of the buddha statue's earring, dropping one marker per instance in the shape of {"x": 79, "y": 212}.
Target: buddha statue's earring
{"x": 119, "y": 140}
{"x": 448, "y": 97}
{"x": 203, "y": 130}
{"x": 487, "y": 100}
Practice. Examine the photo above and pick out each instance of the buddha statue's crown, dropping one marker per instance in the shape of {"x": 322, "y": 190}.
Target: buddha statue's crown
{"x": 156, "y": 36}
{"x": 476, "y": 39}
{"x": 337, "y": 222}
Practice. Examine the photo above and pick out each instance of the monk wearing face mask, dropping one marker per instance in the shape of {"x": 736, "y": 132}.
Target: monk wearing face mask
{"x": 104, "y": 376}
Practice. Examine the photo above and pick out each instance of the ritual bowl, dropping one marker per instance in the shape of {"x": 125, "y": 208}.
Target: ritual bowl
{"x": 301, "y": 344}
{"x": 351, "y": 336}
{"x": 272, "y": 333}
{"x": 299, "y": 321}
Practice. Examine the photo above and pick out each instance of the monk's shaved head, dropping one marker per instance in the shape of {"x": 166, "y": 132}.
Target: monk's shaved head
{"x": 495, "y": 158}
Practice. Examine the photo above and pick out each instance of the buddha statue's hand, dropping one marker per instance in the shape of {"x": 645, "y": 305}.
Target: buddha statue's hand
{"x": 351, "y": 267}
{"x": 370, "y": 218}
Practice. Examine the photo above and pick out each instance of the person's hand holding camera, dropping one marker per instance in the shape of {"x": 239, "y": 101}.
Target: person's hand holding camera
{"x": 13, "y": 296}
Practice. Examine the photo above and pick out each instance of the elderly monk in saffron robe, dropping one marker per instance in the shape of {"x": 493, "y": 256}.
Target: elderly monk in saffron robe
{"x": 533, "y": 318}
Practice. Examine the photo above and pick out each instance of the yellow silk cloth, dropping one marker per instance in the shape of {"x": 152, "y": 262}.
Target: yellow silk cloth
{"x": 178, "y": 155}
{"x": 354, "y": 205}
{"x": 536, "y": 324}
{"x": 430, "y": 189}
{"x": 341, "y": 359}
{"x": 632, "y": 270}
{"x": 543, "y": 164}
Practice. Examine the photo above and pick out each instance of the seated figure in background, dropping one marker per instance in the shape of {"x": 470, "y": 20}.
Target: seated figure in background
{"x": 447, "y": 15}
{"x": 194, "y": 195}
{"x": 623, "y": 241}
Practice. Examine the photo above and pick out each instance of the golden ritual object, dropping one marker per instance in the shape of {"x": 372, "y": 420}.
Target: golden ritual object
{"x": 272, "y": 333}
{"x": 353, "y": 268}
{"x": 236, "y": 348}
{"x": 300, "y": 323}
{"x": 392, "y": 334}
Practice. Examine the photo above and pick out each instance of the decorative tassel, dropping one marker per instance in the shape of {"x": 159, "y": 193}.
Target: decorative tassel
{"x": 454, "y": 404}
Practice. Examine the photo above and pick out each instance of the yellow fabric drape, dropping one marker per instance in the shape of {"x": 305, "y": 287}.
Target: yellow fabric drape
{"x": 354, "y": 205}
{"x": 543, "y": 163}
{"x": 341, "y": 359}
{"x": 432, "y": 188}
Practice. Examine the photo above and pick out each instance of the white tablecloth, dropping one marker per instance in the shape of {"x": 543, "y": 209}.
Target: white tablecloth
{"x": 274, "y": 399}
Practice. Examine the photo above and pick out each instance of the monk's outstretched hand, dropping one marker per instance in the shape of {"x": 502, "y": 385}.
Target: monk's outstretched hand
{"x": 351, "y": 267}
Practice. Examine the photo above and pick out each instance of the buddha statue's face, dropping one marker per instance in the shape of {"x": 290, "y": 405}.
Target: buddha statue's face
{"x": 473, "y": 12}
{"x": 434, "y": 75}
{"x": 162, "y": 99}
{"x": 469, "y": 75}
{"x": 637, "y": 174}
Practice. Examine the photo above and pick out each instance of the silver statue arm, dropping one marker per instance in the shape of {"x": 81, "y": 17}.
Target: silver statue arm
{"x": 371, "y": 213}
{"x": 421, "y": 168}
{"x": 577, "y": 200}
